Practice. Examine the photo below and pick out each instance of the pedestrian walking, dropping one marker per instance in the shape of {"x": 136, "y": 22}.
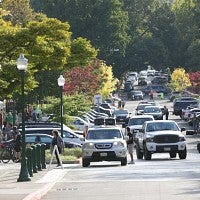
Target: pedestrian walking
{"x": 119, "y": 104}
{"x": 151, "y": 94}
{"x": 9, "y": 118}
{"x": 123, "y": 103}
{"x": 85, "y": 131}
{"x": 8, "y": 132}
{"x": 57, "y": 140}
{"x": 196, "y": 123}
{"x": 166, "y": 112}
{"x": 130, "y": 144}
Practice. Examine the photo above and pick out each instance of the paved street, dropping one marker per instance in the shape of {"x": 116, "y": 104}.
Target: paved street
{"x": 161, "y": 178}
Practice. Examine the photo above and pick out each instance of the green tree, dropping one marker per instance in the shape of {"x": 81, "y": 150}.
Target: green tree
{"x": 82, "y": 53}
{"x": 20, "y": 11}
{"x": 46, "y": 44}
{"x": 103, "y": 22}
{"x": 73, "y": 105}
{"x": 188, "y": 30}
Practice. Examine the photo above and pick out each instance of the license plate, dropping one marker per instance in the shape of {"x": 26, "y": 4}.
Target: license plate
{"x": 103, "y": 154}
{"x": 167, "y": 148}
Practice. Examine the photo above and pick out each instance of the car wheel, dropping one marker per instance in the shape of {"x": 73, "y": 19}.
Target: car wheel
{"x": 85, "y": 162}
{"x": 172, "y": 154}
{"x": 139, "y": 153}
{"x": 124, "y": 161}
{"x": 183, "y": 154}
{"x": 198, "y": 147}
{"x": 147, "y": 154}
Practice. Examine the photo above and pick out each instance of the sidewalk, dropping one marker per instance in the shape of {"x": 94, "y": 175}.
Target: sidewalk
{"x": 35, "y": 189}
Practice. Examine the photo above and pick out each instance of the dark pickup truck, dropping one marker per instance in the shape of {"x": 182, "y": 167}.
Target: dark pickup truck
{"x": 179, "y": 105}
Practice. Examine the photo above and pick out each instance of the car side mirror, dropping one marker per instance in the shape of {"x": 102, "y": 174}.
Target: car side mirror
{"x": 183, "y": 129}
{"x": 123, "y": 125}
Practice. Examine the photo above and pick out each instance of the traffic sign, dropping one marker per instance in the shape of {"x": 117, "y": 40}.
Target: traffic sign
{"x": 97, "y": 99}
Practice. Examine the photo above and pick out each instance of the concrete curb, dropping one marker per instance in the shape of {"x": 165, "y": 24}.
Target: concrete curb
{"x": 65, "y": 161}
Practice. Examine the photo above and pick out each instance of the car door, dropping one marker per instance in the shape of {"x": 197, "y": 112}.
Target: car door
{"x": 140, "y": 136}
{"x": 71, "y": 138}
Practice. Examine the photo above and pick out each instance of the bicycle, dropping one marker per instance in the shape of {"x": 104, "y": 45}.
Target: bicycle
{"x": 8, "y": 152}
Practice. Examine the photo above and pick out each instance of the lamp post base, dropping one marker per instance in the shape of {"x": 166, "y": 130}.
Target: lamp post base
{"x": 24, "y": 175}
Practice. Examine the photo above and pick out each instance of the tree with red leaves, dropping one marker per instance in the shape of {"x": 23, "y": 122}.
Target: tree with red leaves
{"x": 81, "y": 80}
{"x": 195, "y": 81}
{"x": 96, "y": 78}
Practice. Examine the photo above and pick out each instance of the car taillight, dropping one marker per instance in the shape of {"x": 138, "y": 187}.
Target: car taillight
{"x": 2, "y": 145}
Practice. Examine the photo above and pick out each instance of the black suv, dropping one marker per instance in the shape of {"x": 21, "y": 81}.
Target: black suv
{"x": 179, "y": 105}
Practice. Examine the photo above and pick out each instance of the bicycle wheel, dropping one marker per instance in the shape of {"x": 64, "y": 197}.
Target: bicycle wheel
{"x": 6, "y": 156}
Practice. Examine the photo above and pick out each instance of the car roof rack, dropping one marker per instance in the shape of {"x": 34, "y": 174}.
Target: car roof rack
{"x": 105, "y": 121}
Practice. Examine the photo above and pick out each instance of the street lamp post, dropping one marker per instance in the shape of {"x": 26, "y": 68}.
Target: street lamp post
{"x": 61, "y": 83}
{"x": 22, "y": 64}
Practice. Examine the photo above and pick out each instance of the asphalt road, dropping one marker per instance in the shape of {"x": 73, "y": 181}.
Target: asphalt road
{"x": 161, "y": 178}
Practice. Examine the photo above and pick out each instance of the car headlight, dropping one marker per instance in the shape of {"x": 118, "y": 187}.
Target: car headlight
{"x": 121, "y": 144}
{"x": 181, "y": 138}
{"x": 149, "y": 139}
{"x": 89, "y": 145}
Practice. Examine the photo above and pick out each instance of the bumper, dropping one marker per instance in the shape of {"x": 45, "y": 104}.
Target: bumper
{"x": 95, "y": 156}
{"x": 162, "y": 148}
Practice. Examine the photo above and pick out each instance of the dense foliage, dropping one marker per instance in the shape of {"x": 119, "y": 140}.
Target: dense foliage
{"x": 73, "y": 105}
{"x": 159, "y": 33}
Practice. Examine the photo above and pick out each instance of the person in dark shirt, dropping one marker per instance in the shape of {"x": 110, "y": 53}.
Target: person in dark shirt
{"x": 130, "y": 144}
{"x": 166, "y": 112}
{"x": 17, "y": 145}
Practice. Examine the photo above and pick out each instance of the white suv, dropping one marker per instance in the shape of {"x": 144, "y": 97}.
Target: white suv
{"x": 104, "y": 143}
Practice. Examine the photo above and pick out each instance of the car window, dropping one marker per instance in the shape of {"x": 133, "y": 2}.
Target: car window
{"x": 67, "y": 134}
{"x": 121, "y": 112}
{"x": 46, "y": 139}
{"x": 103, "y": 134}
{"x": 152, "y": 110}
{"x": 138, "y": 121}
{"x": 160, "y": 126}
{"x": 30, "y": 139}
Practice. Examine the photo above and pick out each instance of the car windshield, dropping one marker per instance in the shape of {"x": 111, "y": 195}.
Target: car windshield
{"x": 152, "y": 110}
{"x": 138, "y": 121}
{"x": 160, "y": 126}
{"x": 121, "y": 111}
{"x": 103, "y": 134}
{"x": 137, "y": 92}
{"x": 142, "y": 106}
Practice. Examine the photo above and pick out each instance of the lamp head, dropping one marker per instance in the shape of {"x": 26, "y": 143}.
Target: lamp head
{"x": 22, "y": 62}
{"x": 61, "y": 81}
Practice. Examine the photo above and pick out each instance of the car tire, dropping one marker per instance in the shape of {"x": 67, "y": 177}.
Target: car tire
{"x": 198, "y": 147}
{"x": 147, "y": 154}
{"x": 124, "y": 161}
{"x": 172, "y": 154}
{"x": 139, "y": 153}
{"x": 85, "y": 162}
{"x": 182, "y": 154}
